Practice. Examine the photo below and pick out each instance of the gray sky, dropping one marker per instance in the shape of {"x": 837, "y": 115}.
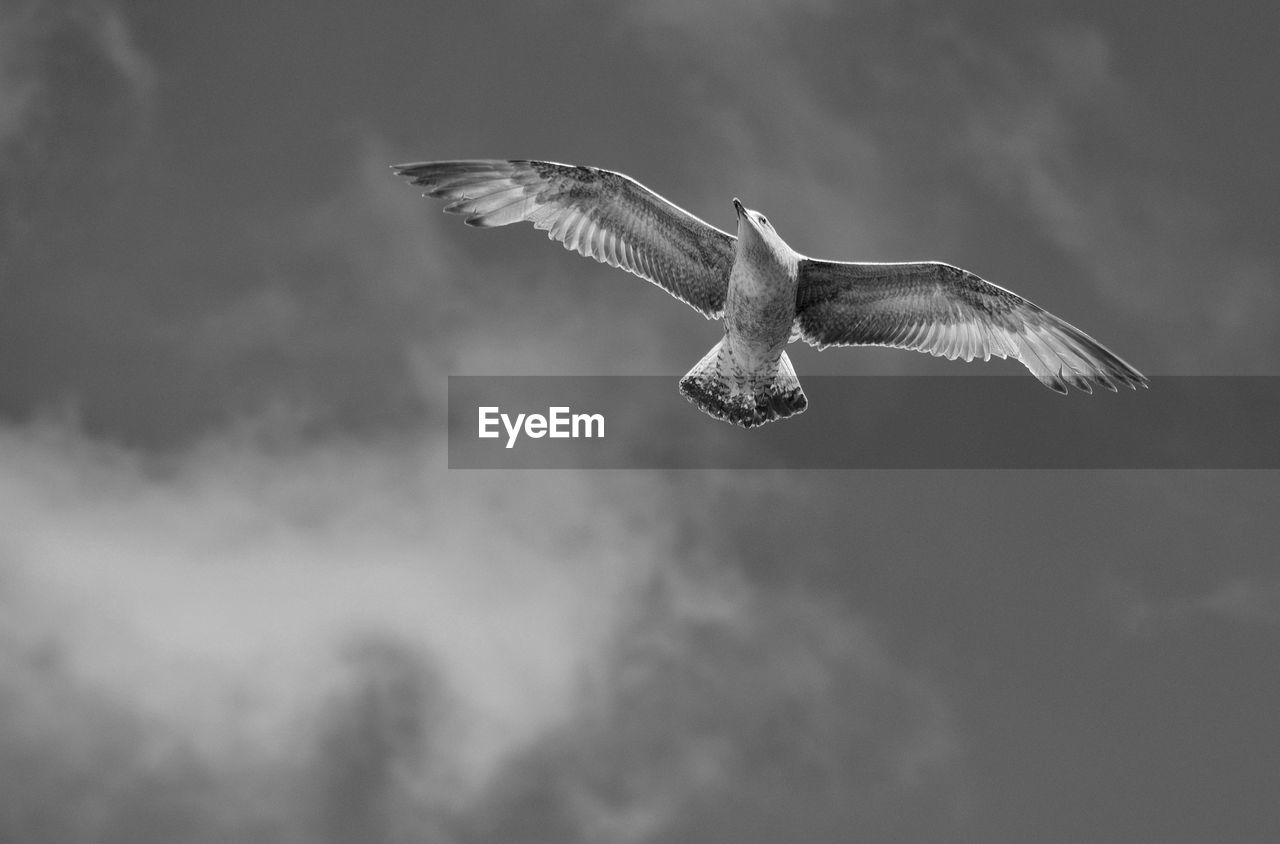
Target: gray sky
{"x": 242, "y": 597}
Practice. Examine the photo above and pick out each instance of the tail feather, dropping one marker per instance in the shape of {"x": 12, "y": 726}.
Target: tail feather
{"x": 722, "y": 388}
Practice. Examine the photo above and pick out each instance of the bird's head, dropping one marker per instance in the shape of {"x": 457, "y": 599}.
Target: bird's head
{"x": 757, "y": 235}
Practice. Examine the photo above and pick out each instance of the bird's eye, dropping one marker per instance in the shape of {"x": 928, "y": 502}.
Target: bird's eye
{"x": 764, "y": 221}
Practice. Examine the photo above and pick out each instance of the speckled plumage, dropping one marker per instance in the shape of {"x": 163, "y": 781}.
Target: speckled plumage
{"x": 767, "y": 293}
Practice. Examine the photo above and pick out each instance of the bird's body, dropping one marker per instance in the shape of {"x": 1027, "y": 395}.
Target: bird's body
{"x": 761, "y": 303}
{"x": 767, "y": 293}
{"x": 747, "y": 377}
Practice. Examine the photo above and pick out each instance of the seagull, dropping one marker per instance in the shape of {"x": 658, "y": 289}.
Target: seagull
{"x": 767, "y": 293}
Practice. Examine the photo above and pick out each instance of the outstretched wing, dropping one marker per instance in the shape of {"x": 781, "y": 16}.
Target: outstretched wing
{"x": 597, "y": 213}
{"x": 948, "y": 312}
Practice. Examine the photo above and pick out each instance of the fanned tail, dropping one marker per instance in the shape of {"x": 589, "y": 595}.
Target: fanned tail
{"x": 722, "y": 388}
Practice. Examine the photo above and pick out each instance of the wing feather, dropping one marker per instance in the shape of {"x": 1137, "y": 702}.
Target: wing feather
{"x": 946, "y": 311}
{"x": 596, "y": 213}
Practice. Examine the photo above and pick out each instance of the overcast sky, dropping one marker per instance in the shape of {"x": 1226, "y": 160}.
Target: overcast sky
{"x": 243, "y": 598}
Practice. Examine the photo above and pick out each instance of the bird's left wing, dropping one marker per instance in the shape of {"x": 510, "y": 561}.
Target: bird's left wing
{"x": 949, "y": 312}
{"x": 597, "y": 213}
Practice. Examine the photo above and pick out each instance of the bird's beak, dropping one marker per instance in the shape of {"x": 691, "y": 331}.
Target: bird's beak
{"x": 737, "y": 206}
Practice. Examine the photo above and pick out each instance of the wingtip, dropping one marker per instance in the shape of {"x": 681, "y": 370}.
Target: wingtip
{"x": 1053, "y": 382}
{"x": 411, "y": 169}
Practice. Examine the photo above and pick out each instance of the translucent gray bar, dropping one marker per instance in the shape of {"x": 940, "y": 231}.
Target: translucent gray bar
{"x": 873, "y": 422}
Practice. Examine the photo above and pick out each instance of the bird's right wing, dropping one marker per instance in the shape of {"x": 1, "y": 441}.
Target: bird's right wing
{"x": 597, "y": 213}
{"x": 933, "y": 307}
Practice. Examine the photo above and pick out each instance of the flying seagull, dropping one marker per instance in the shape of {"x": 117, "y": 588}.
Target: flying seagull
{"x": 767, "y": 293}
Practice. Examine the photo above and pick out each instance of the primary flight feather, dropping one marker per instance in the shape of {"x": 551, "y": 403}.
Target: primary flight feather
{"x": 767, "y": 293}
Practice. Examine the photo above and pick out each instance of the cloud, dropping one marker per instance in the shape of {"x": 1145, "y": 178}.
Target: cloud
{"x": 76, "y": 100}
{"x": 760, "y": 108}
{"x": 1242, "y": 600}
{"x": 17, "y": 88}
{"x": 1061, "y": 133}
{"x": 371, "y": 646}
{"x": 361, "y": 304}
{"x": 897, "y": 131}
{"x": 720, "y": 689}
{"x": 276, "y": 615}
{"x": 217, "y": 599}
{"x": 67, "y": 69}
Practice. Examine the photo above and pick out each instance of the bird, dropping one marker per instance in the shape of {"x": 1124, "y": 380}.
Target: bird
{"x": 767, "y": 293}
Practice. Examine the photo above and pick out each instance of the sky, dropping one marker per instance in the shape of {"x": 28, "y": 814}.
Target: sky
{"x": 242, "y": 597}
